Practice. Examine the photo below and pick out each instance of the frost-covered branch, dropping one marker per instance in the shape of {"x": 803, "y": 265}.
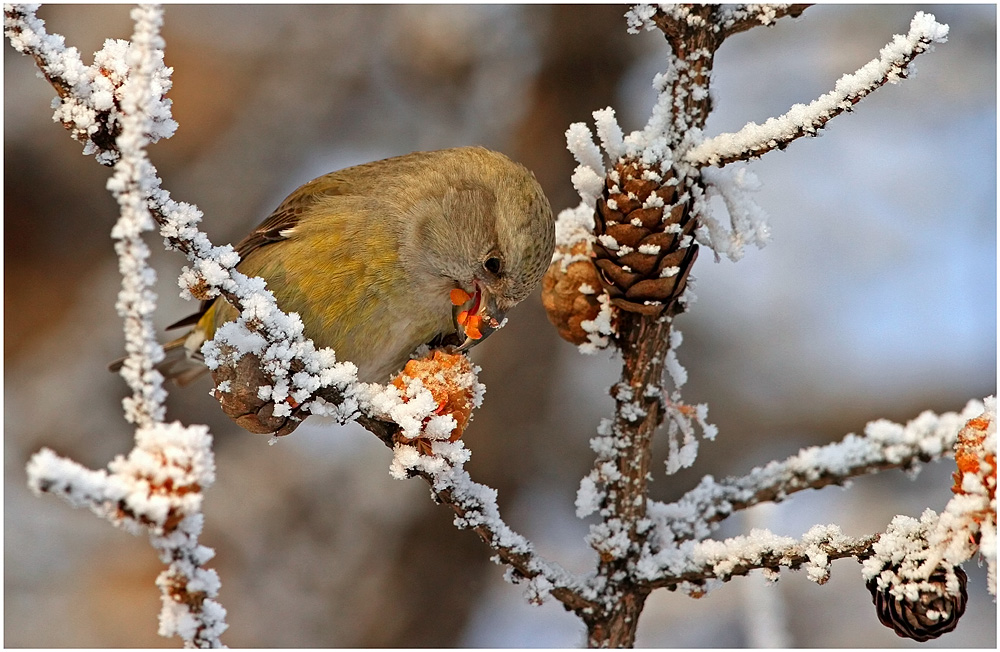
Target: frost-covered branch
{"x": 739, "y": 18}
{"x": 159, "y": 486}
{"x": 884, "y": 445}
{"x": 720, "y": 21}
{"x": 698, "y": 567}
{"x": 475, "y": 508}
{"x": 619, "y": 276}
{"x": 892, "y": 65}
{"x": 913, "y": 568}
{"x": 132, "y": 175}
{"x": 90, "y": 97}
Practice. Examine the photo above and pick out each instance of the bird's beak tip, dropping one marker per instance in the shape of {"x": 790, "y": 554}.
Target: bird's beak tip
{"x": 489, "y": 318}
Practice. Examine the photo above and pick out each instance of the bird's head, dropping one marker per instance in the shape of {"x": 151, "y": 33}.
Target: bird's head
{"x": 490, "y": 235}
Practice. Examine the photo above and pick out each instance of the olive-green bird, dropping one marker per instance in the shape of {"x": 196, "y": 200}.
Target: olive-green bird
{"x": 380, "y": 258}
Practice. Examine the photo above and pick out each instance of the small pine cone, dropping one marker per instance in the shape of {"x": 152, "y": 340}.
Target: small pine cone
{"x": 936, "y": 612}
{"x": 644, "y": 249}
{"x": 566, "y": 306}
{"x": 450, "y": 379}
{"x": 242, "y": 403}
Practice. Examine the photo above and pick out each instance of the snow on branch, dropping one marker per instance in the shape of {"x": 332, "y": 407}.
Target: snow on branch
{"x": 914, "y": 563}
{"x": 739, "y": 18}
{"x": 133, "y": 174}
{"x": 475, "y": 507}
{"x": 158, "y": 488}
{"x": 90, "y": 97}
{"x": 719, "y": 21}
{"x": 698, "y": 567}
{"x": 912, "y": 569}
{"x": 748, "y": 223}
{"x": 892, "y": 65}
{"x": 884, "y": 445}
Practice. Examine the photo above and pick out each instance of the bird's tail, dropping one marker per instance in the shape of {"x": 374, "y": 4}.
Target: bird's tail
{"x": 182, "y": 362}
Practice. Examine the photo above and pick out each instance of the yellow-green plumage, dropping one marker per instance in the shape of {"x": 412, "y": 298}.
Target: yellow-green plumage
{"x": 367, "y": 256}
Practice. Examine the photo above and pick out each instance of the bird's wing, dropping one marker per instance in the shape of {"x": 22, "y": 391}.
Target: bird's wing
{"x": 279, "y": 225}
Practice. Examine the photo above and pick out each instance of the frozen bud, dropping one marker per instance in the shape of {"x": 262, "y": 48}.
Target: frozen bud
{"x": 201, "y": 290}
{"x": 933, "y": 613}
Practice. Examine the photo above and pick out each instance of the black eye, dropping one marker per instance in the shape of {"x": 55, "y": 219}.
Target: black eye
{"x": 493, "y": 265}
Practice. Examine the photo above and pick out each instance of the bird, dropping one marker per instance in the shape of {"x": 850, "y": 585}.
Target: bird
{"x": 431, "y": 247}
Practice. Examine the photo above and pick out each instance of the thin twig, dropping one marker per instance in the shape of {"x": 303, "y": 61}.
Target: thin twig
{"x": 739, "y": 18}
{"x": 753, "y": 140}
{"x": 792, "y": 557}
{"x": 883, "y": 446}
{"x": 453, "y": 488}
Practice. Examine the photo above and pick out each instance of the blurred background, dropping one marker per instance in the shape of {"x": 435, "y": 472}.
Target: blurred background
{"x": 876, "y": 298}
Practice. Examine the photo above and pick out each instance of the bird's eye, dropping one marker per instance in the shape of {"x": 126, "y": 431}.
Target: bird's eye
{"x": 493, "y": 265}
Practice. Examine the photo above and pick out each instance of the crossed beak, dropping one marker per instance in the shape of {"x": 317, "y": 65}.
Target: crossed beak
{"x": 477, "y": 317}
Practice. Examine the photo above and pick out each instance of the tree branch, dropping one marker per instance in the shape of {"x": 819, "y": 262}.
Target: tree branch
{"x": 753, "y": 140}
{"x": 739, "y": 18}
{"x": 721, "y": 560}
{"x": 475, "y": 508}
{"x": 157, "y": 488}
{"x": 718, "y": 22}
{"x": 883, "y": 446}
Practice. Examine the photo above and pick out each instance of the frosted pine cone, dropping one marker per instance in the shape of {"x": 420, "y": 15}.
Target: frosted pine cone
{"x": 569, "y": 292}
{"x": 644, "y": 246}
{"x": 934, "y": 613}
{"x": 237, "y": 388}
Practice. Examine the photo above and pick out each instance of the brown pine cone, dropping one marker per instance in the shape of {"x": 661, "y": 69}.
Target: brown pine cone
{"x": 241, "y": 402}
{"x": 566, "y": 306}
{"x": 643, "y": 249}
{"x": 914, "y": 619}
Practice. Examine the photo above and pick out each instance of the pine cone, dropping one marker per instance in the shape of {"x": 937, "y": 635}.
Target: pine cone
{"x": 566, "y": 306}
{"x": 913, "y": 619}
{"x": 644, "y": 249}
{"x": 241, "y": 400}
{"x": 450, "y": 379}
